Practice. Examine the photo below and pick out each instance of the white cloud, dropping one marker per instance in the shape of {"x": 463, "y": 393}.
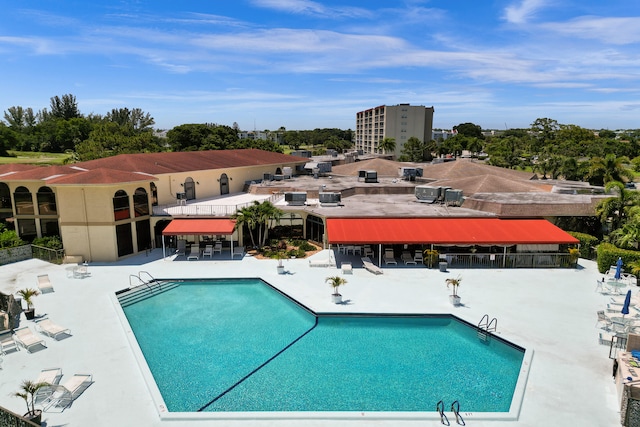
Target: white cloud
{"x": 613, "y": 30}
{"x": 523, "y": 11}
{"x": 308, "y": 7}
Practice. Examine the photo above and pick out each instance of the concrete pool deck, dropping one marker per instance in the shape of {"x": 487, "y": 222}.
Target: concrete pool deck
{"x": 550, "y": 311}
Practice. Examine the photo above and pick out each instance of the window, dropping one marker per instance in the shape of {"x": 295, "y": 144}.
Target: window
{"x": 125, "y": 239}
{"x": 154, "y": 194}
{"x": 24, "y": 202}
{"x": 49, "y": 227}
{"x": 143, "y": 234}
{"x": 140, "y": 202}
{"x": 5, "y": 196}
{"x": 121, "y": 205}
{"x": 27, "y": 229}
{"x": 46, "y": 201}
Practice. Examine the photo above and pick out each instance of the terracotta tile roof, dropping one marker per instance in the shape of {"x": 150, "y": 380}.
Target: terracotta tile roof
{"x": 133, "y": 167}
{"x": 101, "y": 176}
{"x": 161, "y": 163}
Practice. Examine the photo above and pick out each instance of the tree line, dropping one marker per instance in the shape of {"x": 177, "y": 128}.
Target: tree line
{"x": 64, "y": 128}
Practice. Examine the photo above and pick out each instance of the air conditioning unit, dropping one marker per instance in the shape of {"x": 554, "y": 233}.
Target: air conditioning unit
{"x": 181, "y": 196}
{"x": 408, "y": 174}
{"x": 427, "y": 194}
{"x": 453, "y": 197}
{"x": 287, "y": 172}
{"x": 329, "y": 198}
{"x": 370, "y": 176}
{"x": 267, "y": 177}
{"x": 295, "y": 199}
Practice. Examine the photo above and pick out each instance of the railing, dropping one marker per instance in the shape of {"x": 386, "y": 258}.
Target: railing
{"x": 8, "y": 418}
{"x": 510, "y": 260}
{"x": 178, "y": 209}
{"x": 47, "y": 254}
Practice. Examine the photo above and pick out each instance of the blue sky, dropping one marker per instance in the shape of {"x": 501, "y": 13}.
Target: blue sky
{"x": 307, "y": 64}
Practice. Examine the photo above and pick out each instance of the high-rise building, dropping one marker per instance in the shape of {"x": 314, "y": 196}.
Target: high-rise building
{"x": 399, "y": 122}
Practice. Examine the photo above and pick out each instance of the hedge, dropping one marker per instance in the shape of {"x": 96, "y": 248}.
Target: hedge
{"x": 587, "y": 243}
{"x": 608, "y": 255}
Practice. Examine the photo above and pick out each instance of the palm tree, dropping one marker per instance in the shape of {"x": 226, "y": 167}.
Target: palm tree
{"x": 387, "y": 145}
{"x": 267, "y": 212}
{"x": 615, "y": 209}
{"x": 607, "y": 169}
{"x": 28, "y": 389}
{"x": 336, "y": 282}
{"x": 247, "y": 216}
{"x": 454, "y": 283}
{"x": 27, "y": 294}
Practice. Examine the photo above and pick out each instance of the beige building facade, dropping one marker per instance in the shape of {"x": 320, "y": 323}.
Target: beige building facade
{"x": 103, "y": 210}
{"x": 399, "y": 122}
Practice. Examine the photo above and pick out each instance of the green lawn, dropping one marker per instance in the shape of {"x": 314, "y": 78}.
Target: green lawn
{"x": 29, "y": 157}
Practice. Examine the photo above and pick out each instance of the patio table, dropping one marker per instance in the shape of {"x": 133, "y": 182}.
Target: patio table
{"x": 616, "y": 285}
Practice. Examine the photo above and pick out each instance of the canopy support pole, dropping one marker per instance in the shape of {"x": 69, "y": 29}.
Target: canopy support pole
{"x": 164, "y": 254}
{"x": 504, "y": 257}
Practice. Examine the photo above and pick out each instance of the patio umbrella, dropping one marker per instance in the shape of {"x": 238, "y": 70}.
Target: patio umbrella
{"x": 618, "y": 268}
{"x": 627, "y": 302}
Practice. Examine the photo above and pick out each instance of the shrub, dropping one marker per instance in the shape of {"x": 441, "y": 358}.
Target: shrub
{"x": 587, "y": 243}
{"x": 10, "y": 239}
{"x": 608, "y": 255}
{"x": 306, "y": 246}
{"x": 52, "y": 242}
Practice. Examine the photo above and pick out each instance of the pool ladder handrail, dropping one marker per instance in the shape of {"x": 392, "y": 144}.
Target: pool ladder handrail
{"x": 486, "y": 326}
{"x": 145, "y": 282}
{"x": 455, "y": 408}
{"x": 443, "y": 417}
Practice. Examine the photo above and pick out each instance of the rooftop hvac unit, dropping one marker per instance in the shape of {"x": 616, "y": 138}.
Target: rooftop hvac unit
{"x": 301, "y": 153}
{"x": 287, "y": 172}
{"x": 427, "y": 194}
{"x": 370, "y": 176}
{"x": 362, "y": 175}
{"x": 419, "y": 172}
{"x": 267, "y": 177}
{"x": 443, "y": 191}
{"x": 324, "y": 167}
{"x": 408, "y": 174}
{"x": 295, "y": 199}
{"x": 326, "y": 197}
{"x": 453, "y": 197}
{"x": 181, "y": 196}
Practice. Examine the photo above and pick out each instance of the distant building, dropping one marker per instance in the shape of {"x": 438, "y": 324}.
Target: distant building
{"x": 399, "y": 122}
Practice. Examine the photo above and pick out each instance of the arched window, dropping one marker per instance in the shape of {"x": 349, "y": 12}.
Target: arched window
{"x": 46, "y": 201}
{"x": 140, "y": 202}
{"x": 121, "y": 205}
{"x": 23, "y": 201}
{"x": 154, "y": 194}
{"x": 5, "y": 196}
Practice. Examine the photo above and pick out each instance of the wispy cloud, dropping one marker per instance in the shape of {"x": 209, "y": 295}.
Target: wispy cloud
{"x": 309, "y": 7}
{"x": 523, "y": 11}
{"x": 610, "y": 30}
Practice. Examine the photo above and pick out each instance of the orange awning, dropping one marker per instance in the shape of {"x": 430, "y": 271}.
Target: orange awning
{"x": 181, "y": 227}
{"x": 445, "y": 231}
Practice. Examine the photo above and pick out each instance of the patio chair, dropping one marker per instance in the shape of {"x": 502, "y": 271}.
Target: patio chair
{"x": 7, "y": 343}
{"x": 407, "y": 258}
{"x": 389, "y": 258}
{"x": 370, "y": 266}
{"x": 368, "y": 252}
{"x": 238, "y": 250}
{"x": 194, "y": 252}
{"x": 217, "y": 247}
{"x": 418, "y": 257}
{"x": 27, "y": 339}
{"x": 603, "y": 320}
{"x": 181, "y": 247}
{"x": 47, "y": 376}
{"x": 50, "y": 329}
{"x": 63, "y": 395}
{"x": 208, "y": 251}
{"x": 44, "y": 284}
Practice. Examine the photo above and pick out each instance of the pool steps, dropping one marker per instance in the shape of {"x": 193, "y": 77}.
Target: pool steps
{"x": 141, "y": 292}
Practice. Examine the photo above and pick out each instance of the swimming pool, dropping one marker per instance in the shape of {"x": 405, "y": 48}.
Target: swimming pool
{"x": 240, "y": 346}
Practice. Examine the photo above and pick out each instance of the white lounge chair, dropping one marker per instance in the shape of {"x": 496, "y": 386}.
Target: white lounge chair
{"x": 603, "y": 320}
{"x": 194, "y": 252}
{"x": 44, "y": 284}
{"x": 7, "y": 343}
{"x": 389, "y": 258}
{"x": 217, "y": 247}
{"x": 50, "y": 329}
{"x": 407, "y": 258}
{"x": 327, "y": 262}
{"x": 47, "y": 376}
{"x": 63, "y": 395}
{"x": 417, "y": 257}
{"x": 208, "y": 251}
{"x": 370, "y": 266}
{"x": 27, "y": 339}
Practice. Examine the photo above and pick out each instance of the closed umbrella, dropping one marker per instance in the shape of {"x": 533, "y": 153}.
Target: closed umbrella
{"x": 627, "y": 303}
{"x": 618, "y": 268}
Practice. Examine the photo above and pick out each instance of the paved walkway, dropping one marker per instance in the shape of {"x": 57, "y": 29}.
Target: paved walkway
{"x": 552, "y": 312}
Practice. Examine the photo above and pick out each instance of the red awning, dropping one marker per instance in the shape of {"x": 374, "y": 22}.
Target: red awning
{"x": 445, "y": 231}
{"x": 181, "y": 227}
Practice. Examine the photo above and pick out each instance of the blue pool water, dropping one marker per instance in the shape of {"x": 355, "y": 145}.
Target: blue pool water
{"x": 241, "y": 346}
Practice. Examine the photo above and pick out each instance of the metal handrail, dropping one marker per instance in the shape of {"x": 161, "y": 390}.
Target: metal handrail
{"x": 455, "y": 408}
{"x": 443, "y": 417}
